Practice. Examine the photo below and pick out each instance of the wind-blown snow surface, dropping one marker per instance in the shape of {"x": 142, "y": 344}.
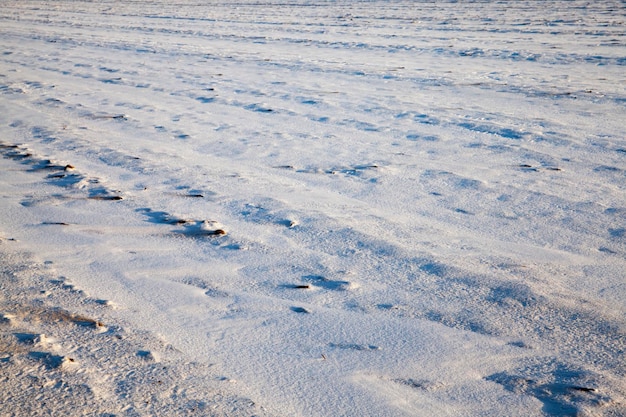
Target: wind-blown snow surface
{"x": 313, "y": 209}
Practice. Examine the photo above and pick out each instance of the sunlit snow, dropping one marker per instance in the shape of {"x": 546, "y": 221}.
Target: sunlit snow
{"x": 350, "y": 208}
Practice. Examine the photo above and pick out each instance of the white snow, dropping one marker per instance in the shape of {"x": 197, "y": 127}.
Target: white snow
{"x": 351, "y": 208}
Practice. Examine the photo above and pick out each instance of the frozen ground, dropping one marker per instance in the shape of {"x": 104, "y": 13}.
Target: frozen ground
{"x": 313, "y": 209}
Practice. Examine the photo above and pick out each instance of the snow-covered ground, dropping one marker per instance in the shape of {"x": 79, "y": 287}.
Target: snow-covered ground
{"x": 351, "y": 208}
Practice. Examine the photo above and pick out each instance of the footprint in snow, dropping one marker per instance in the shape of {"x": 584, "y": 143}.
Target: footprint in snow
{"x": 354, "y": 346}
{"x": 191, "y": 228}
{"x": 161, "y": 217}
{"x": 203, "y": 228}
{"x": 420, "y": 384}
{"x": 259, "y": 108}
{"x": 147, "y": 355}
{"x": 328, "y": 284}
{"x": 258, "y": 214}
{"x": 560, "y": 393}
{"x": 297, "y": 286}
{"x": 51, "y": 361}
{"x": 34, "y": 339}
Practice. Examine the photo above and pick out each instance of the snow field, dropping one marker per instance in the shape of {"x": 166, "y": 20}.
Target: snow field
{"x": 347, "y": 208}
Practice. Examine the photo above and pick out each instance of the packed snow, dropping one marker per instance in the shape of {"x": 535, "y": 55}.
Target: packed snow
{"x": 346, "y": 208}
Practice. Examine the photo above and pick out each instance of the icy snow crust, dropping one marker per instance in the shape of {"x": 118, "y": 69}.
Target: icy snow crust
{"x": 313, "y": 209}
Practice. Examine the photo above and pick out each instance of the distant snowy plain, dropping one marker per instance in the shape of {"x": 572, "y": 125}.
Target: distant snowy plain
{"x": 328, "y": 208}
